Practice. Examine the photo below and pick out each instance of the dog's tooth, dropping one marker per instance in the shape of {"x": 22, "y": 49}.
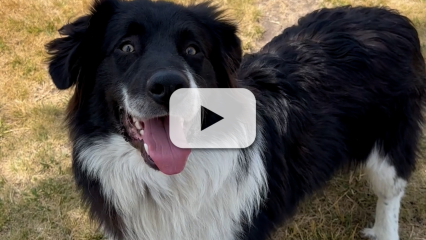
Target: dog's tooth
{"x": 134, "y": 120}
{"x": 138, "y": 125}
{"x": 146, "y": 148}
{"x": 141, "y": 132}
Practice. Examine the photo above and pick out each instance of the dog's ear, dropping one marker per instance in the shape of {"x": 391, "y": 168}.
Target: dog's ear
{"x": 226, "y": 46}
{"x": 65, "y": 54}
{"x": 69, "y": 54}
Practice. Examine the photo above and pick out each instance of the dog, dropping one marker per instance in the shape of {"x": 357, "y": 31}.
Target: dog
{"x": 343, "y": 87}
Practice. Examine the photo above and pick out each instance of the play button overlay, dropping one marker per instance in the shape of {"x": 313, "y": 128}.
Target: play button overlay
{"x": 212, "y": 118}
{"x": 215, "y": 118}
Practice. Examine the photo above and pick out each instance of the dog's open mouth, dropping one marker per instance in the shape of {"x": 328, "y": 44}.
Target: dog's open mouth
{"x": 151, "y": 138}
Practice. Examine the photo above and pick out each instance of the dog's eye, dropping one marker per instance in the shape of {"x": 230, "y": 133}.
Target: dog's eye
{"x": 191, "y": 50}
{"x": 128, "y": 48}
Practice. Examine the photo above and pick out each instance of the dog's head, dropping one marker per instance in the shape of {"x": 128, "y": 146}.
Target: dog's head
{"x": 129, "y": 57}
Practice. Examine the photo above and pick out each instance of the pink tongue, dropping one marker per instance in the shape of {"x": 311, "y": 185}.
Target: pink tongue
{"x": 168, "y": 158}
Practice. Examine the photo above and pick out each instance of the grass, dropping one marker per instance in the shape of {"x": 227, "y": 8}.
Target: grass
{"x": 37, "y": 196}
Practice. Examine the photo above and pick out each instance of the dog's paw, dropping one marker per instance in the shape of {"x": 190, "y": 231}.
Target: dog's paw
{"x": 376, "y": 234}
{"x": 369, "y": 233}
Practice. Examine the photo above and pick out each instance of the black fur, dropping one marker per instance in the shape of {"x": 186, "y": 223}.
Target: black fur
{"x": 328, "y": 90}
{"x": 353, "y": 77}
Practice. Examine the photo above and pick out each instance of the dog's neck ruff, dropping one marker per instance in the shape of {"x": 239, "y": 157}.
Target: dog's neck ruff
{"x": 209, "y": 200}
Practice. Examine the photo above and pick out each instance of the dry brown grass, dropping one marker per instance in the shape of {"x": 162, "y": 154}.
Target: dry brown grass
{"x": 37, "y": 196}
{"x": 37, "y": 199}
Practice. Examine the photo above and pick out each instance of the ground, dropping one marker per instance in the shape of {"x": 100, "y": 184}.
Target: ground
{"x": 279, "y": 14}
{"x": 37, "y": 196}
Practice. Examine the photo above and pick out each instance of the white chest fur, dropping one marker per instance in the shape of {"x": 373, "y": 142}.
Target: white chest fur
{"x": 208, "y": 200}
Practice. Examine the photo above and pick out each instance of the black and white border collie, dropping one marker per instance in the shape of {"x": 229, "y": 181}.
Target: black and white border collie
{"x": 345, "y": 86}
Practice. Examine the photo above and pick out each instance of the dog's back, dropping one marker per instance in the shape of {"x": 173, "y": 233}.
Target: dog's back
{"x": 380, "y": 29}
{"x": 351, "y": 82}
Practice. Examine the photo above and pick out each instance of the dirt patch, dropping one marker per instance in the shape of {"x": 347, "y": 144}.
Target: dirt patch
{"x": 280, "y": 14}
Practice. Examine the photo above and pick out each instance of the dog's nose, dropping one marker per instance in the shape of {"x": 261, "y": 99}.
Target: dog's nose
{"x": 162, "y": 84}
